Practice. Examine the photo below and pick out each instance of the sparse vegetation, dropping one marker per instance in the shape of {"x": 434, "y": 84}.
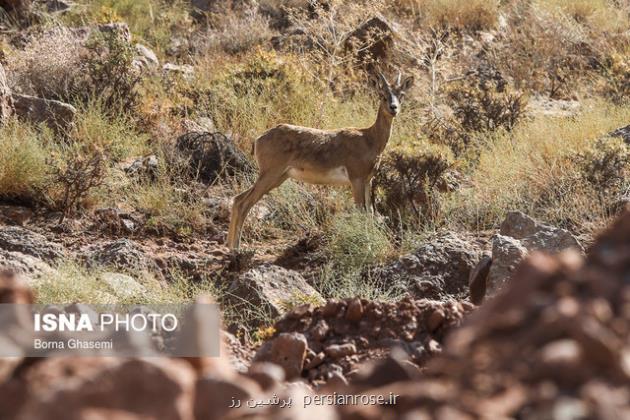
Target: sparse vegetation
{"x": 481, "y": 69}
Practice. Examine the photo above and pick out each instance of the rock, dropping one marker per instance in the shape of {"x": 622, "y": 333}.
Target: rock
{"x": 268, "y": 375}
{"x": 537, "y": 236}
{"x": 24, "y": 264}
{"x": 478, "y": 281}
{"x": 115, "y": 220}
{"x": 24, "y": 241}
{"x": 120, "y": 29}
{"x": 320, "y": 330}
{"x": 123, "y": 285}
{"x": 316, "y": 361}
{"x": 372, "y": 40}
{"x": 210, "y": 155}
{"x": 148, "y": 167}
{"x": 214, "y": 396}
{"x": 160, "y": 388}
{"x": 54, "y": 6}
{"x": 287, "y": 350}
{"x": 184, "y": 70}
{"x": 435, "y": 320}
{"x": 123, "y": 254}
{"x": 17, "y": 6}
{"x": 520, "y": 234}
{"x": 553, "y": 107}
{"x": 507, "y": 253}
{"x": 623, "y": 132}
{"x": 271, "y": 288}
{"x": 6, "y": 100}
{"x": 337, "y": 351}
{"x": 146, "y": 56}
{"x": 354, "y": 313}
{"x": 15, "y": 215}
{"x": 438, "y": 268}
{"x": 199, "y": 125}
{"x": 55, "y": 114}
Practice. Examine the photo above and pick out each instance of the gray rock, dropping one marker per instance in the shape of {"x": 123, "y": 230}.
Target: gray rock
{"x": 24, "y": 264}
{"x": 437, "y": 268}
{"x": 123, "y": 254}
{"x": 210, "y": 155}
{"x": 120, "y": 29}
{"x": 55, "y": 114}
{"x": 147, "y": 166}
{"x": 24, "y": 241}
{"x": 507, "y": 253}
{"x": 147, "y": 56}
{"x": 58, "y": 6}
{"x": 6, "y": 101}
{"x": 623, "y": 132}
{"x": 537, "y": 236}
{"x": 185, "y": 70}
{"x": 519, "y": 235}
{"x": 271, "y": 288}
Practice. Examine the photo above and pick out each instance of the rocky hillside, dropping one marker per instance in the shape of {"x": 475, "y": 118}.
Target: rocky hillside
{"x": 477, "y": 289}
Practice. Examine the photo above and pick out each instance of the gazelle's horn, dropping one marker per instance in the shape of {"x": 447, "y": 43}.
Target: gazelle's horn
{"x": 399, "y": 78}
{"x": 383, "y": 79}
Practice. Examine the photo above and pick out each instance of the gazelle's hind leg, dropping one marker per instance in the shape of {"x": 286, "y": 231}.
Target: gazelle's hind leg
{"x": 243, "y": 203}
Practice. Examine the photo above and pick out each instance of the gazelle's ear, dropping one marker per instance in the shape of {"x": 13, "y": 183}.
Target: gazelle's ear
{"x": 407, "y": 84}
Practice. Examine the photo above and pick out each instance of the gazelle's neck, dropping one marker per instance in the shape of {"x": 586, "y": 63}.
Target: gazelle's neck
{"x": 380, "y": 131}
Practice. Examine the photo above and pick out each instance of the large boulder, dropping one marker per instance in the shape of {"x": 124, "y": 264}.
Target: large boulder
{"x": 438, "y": 268}
{"x": 536, "y": 235}
{"x": 519, "y": 235}
{"x": 6, "y": 101}
{"x": 55, "y": 114}
{"x": 272, "y": 288}
{"x": 211, "y": 155}
{"x": 24, "y": 241}
{"x": 372, "y": 40}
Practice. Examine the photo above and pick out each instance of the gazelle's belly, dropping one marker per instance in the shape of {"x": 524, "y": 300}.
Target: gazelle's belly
{"x": 334, "y": 176}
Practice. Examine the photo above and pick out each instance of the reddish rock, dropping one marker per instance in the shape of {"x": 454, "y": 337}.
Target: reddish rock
{"x": 287, "y": 350}
{"x": 354, "y": 313}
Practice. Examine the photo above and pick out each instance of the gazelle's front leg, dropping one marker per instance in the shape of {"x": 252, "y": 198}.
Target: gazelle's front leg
{"x": 359, "y": 192}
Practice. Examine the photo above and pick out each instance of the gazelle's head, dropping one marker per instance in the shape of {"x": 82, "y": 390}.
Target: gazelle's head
{"x": 392, "y": 94}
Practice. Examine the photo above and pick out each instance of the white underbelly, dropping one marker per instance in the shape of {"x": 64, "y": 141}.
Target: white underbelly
{"x": 335, "y": 176}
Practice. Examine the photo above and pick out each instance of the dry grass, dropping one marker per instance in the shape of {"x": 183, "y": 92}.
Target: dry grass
{"x": 527, "y": 168}
{"x": 460, "y": 14}
{"x": 50, "y": 65}
{"x": 23, "y": 161}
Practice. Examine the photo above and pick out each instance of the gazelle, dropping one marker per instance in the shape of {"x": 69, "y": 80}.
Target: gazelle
{"x": 347, "y": 156}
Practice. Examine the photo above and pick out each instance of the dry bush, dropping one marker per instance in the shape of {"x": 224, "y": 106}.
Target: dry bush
{"x": 486, "y": 106}
{"x": 543, "y": 51}
{"x": 50, "y": 65}
{"x": 76, "y": 177}
{"x": 235, "y": 32}
{"x": 408, "y": 185}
